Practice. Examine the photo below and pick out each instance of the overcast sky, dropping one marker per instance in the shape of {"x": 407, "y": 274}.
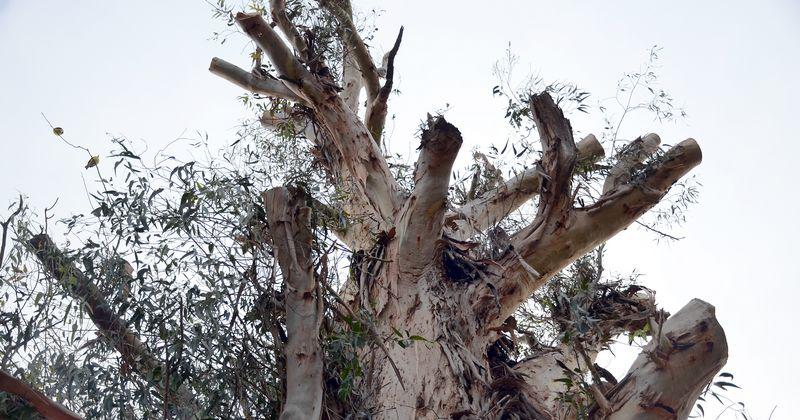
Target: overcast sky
{"x": 139, "y": 69}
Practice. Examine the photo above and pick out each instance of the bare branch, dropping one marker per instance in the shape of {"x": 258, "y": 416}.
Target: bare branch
{"x": 361, "y": 157}
{"x": 582, "y": 231}
{"x": 278, "y": 9}
{"x": 671, "y": 372}
{"x": 288, "y": 221}
{"x": 378, "y": 107}
{"x": 4, "y": 225}
{"x": 483, "y": 212}
{"x": 630, "y": 159}
{"x": 421, "y": 220}
{"x": 252, "y": 83}
{"x": 342, "y": 11}
{"x": 290, "y": 69}
{"x": 48, "y": 408}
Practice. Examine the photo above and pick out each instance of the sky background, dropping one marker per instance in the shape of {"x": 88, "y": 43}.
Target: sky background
{"x": 139, "y": 69}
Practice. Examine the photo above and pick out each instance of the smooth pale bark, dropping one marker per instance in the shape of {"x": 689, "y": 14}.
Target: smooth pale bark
{"x": 421, "y": 220}
{"x": 542, "y": 373}
{"x": 134, "y": 353}
{"x": 672, "y": 370}
{"x": 288, "y": 224}
{"x": 363, "y": 159}
{"x": 630, "y": 159}
{"x": 554, "y": 211}
{"x": 477, "y": 215}
{"x": 290, "y": 69}
{"x": 252, "y": 83}
{"x": 48, "y": 408}
{"x": 663, "y": 382}
{"x": 352, "y": 82}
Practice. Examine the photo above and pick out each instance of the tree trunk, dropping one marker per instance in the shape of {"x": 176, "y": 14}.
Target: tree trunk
{"x": 439, "y": 312}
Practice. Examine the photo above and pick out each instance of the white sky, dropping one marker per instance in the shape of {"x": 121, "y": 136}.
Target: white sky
{"x": 139, "y": 69}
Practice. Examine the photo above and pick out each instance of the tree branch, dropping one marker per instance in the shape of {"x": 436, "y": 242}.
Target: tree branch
{"x": 483, "y": 212}
{"x": 359, "y": 227}
{"x": 630, "y": 159}
{"x": 288, "y": 224}
{"x": 289, "y": 68}
{"x": 582, "y": 231}
{"x": 48, "y": 408}
{"x": 378, "y": 107}
{"x": 352, "y": 82}
{"x": 421, "y": 220}
{"x": 134, "y": 353}
{"x": 278, "y": 10}
{"x": 362, "y": 158}
{"x": 671, "y": 372}
{"x": 4, "y": 225}
{"x": 343, "y": 13}
{"x": 252, "y": 83}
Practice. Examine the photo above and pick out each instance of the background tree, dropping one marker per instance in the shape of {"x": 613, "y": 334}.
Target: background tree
{"x": 364, "y": 288}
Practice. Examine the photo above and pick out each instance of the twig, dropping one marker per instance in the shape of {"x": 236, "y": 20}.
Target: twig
{"x": 5, "y": 229}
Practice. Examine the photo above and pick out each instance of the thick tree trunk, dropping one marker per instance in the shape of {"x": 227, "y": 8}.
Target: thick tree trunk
{"x": 437, "y": 310}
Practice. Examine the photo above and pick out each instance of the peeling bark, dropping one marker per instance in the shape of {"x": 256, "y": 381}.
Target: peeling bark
{"x": 288, "y": 220}
{"x": 401, "y": 272}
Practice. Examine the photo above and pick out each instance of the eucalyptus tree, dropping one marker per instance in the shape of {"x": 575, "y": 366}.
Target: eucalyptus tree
{"x": 307, "y": 273}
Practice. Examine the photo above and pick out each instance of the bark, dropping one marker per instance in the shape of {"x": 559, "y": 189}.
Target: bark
{"x": 264, "y": 85}
{"x": 48, "y": 408}
{"x": 477, "y": 215}
{"x": 421, "y": 219}
{"x": 133, "y": 351}
{"x": 630, "y": 159}
{"x": 288, "y": 219}
{"x": 663, "y": 383}
{"x": 278, "y": 9}
{"x": 415, "y": 280}
{"x": 343, "y": 12}
{"x": 540, "y": 252}
{"x": 378, "y": 107}
{"x": 352, "y": 82}
{"x": 672, "y": 370}
{"x": 542, "y": 373}
{"x": 289, "y": 67}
